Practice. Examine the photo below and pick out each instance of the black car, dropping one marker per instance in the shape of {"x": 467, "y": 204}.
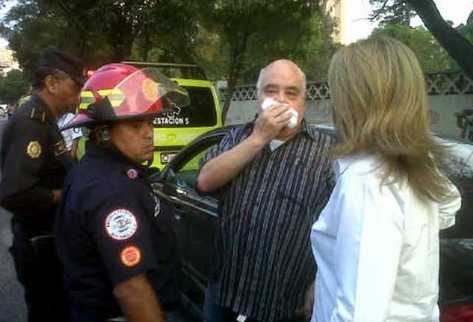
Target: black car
{"x": 196, "y": 217}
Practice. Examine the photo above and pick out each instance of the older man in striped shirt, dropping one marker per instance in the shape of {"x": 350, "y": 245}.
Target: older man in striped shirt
{"x": 274, "y": 178}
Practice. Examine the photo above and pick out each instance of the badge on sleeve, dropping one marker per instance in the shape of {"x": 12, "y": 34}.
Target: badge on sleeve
{"x": 130, "y": 256}
{"x": 121, "y": 224}
{"x": 34, "y": 149}
{"x": 132, "y": 173}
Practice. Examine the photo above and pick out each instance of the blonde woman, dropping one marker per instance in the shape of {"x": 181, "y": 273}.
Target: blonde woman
{"x": 376, "y": 242}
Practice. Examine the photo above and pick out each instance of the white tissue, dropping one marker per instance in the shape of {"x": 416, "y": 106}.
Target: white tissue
{"x": 293, "y": 120}
{"x": 269, "y": 102}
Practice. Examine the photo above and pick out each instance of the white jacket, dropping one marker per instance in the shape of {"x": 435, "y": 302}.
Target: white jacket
{"x": 377, "y": 249}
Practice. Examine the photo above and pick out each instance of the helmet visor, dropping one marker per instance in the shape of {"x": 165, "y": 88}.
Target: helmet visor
{"x": 145, "y": 92}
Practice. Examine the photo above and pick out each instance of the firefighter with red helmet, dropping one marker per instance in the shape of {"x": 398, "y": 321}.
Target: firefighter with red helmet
{"x": 114, "y": 236}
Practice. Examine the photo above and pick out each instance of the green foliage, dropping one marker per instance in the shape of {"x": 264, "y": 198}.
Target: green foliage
{"x": 317, "y": 48}
{"x": 311, "y": 48}
{"x": 431, "y": 55}
{"x": 98, "y": 31}
{"x": 252, "y": 33}
{"x": 12, "y": 86}
{"x": 392, "y": 12}
{"x": 229, "y": 39}
{"x": 467, "y": 29}
{"x": 30, "y": 27}
{"x": 455, "y": 42}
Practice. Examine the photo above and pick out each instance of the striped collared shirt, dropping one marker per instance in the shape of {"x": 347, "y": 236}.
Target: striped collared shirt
{"x": 264, "y": 259}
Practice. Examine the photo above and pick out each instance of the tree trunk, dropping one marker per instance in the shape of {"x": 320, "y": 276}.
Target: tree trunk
{"x": 122, "y": 47}
{"x": 147, "y": 45}
{"x": 457, "y": 46}
{"x": 236, "y": 62}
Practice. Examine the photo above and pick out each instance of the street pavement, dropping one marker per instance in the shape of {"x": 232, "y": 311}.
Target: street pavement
{"x": 12, "y": 306}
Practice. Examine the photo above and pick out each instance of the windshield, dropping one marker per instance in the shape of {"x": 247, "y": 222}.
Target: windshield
{"x": 199, "y": 113}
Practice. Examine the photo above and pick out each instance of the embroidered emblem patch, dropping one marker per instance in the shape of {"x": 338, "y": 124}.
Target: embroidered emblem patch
{"x": 150, "y": 90}
{"x": 132, "y": 173}
{"x": 130, "y": 256}
{"x": 121, "y": 224}
{"x": 34, "y": 149}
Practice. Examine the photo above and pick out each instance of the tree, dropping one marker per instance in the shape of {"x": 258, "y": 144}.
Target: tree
{"x": 30, "y": 26}
{"x": 218, "y": 35}
{"x": 12, "y": 86}
{"x": 431, "y": 55}
{"x": 269, "y": 23}
{"x": 457, "y": 46}
{"x": 311, "y": 49}
{"x": 30, "y": 33}
{"x": 392, "y": 12}
{"x": 99, "y": 31}
{"x": 467, "y": 29}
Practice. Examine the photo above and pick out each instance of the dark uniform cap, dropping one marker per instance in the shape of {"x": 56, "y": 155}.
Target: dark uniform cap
{"x": 56, "y": 59}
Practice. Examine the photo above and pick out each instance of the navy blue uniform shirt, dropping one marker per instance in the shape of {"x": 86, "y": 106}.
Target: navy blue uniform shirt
{"x": 34, "y": 161}
{"x": 111, "y": 227}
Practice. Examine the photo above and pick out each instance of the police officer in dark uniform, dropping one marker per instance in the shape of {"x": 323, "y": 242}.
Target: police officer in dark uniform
{"x": 34, "y": 162}
{"x": 115, "y": 237}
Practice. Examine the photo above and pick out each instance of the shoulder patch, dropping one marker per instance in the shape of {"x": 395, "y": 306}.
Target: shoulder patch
{"x": 121, "y": 224}
{"x": 34, "y": 149}
{"x": 130, "y": 256}
{"x": 132, "y": 173}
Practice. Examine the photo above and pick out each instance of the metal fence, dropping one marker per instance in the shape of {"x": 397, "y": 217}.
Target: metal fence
{"x": 444, "y": 83}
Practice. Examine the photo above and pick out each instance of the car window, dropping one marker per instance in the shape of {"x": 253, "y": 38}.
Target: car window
{"x": 186, "y": 175}
{"x": 201, "y": 111}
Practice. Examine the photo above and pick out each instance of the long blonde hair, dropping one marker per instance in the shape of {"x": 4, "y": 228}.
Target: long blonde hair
{"x": 380, "y": 107}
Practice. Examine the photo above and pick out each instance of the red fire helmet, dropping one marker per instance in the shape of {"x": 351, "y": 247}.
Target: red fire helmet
{"x": 120, "y": 91}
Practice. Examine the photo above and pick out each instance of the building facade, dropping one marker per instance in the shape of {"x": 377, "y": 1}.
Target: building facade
{"x": 7, "y": 61}
{"x": 337, "y": 9}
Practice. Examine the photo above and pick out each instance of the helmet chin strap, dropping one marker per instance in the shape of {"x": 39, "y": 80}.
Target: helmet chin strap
{"x": 103, "y": 135}
{"x": 104, "y": 138}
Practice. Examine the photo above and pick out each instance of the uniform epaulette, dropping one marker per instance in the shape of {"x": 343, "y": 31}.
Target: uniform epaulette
{"x": 37, "y": 115}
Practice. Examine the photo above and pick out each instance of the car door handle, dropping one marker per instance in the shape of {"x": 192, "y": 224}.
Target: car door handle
{"x": 181, "y": 192}
{"x": 176, "y": 200}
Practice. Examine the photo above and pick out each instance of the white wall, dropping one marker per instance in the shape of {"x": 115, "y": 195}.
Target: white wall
{"x": 448, "y": 93}
{"x": 318, "y": 111}
{"x": 244, "y": 111}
